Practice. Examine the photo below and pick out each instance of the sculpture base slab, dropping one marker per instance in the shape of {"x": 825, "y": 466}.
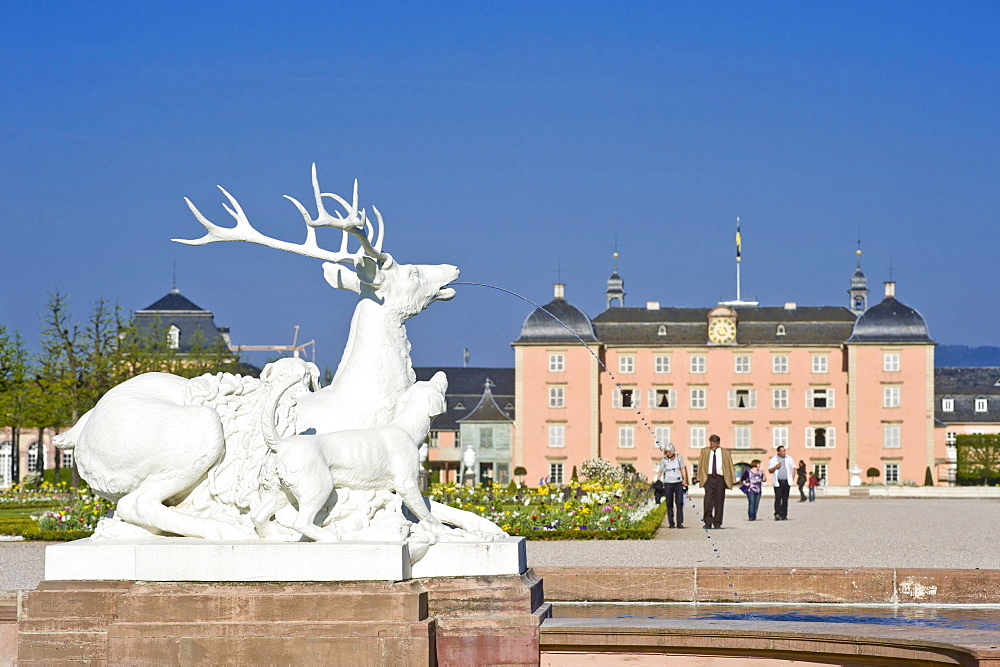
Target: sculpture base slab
{"x": 457, "y": 621}
{"x": 190, "y": 559}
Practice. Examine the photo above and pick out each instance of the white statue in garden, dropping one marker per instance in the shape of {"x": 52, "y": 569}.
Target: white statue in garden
{"x": 233, "y": 457}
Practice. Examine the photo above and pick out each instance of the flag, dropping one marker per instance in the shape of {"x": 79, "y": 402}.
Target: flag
{"x": 738, "y": 243}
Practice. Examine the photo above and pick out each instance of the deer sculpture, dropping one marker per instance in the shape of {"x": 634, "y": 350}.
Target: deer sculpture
{"x": 375, "y": 368}
{"x": 164, "y": 492}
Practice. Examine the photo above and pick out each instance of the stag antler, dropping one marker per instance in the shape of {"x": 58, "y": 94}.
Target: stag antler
{"x": 351, "y": 224}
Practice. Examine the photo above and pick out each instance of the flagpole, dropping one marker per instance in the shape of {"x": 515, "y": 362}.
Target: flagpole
{"x": 738, "y": 259}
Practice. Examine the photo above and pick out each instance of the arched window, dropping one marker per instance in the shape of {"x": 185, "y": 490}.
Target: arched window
{"x": 36, "y": 457}
{"x": 662, "y": 331}
{"x": 780, "y": 331}
{"x": 5, "y": 463}
{"x": 173, "y": 337}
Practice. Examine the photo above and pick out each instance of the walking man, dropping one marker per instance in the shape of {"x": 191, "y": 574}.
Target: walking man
{"x": 782, "y": 470}
{"x": 715, "y": 474}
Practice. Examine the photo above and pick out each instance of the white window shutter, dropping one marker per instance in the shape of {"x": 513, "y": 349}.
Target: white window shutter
{"x": 809, "y": 398}
{"x": 616, "y": 398}
{"x": 673, "y": 397}
{"x": 753, "y": 398}
{"x": 831, "y": 437}
{"x": 810, "y": 436}
{"x": 652, "y": 399}
{"x": 636, "y": 398}
{"x": 829, "y": 398}
{"x": 732, "y": 399}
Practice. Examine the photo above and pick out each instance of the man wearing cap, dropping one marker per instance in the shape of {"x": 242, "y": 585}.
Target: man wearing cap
{"x": 715, "y": 474}
{"x": 672, "y": 471}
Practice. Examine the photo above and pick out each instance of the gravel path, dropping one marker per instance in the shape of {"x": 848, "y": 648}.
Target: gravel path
{"x": 833, "y": 532}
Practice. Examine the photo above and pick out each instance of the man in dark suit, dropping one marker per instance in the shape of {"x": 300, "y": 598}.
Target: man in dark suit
{"x": 715, "y": 474}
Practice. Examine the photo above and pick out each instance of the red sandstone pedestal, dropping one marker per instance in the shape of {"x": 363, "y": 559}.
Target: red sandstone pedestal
{"x": 442, "y": 621}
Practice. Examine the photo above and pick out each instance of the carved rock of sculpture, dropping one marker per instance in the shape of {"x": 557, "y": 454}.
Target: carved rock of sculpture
{"x": 309, "y": 467}
{"x": 235, "y": 457}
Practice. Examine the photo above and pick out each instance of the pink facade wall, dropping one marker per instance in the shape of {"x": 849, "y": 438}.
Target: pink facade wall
{"x": 720, "y": 376}
{"x": 578, "y": 416}
{"x": 853, "y": 421}
{"x": 916, "y": 447}
{"x": 28, "y": 436}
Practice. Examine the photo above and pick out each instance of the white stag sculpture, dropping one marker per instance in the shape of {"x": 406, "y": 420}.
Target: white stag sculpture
{"x": 238, "y": 482}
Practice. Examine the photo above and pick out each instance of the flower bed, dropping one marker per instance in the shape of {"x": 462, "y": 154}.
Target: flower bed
{"x": 612, "y": 505}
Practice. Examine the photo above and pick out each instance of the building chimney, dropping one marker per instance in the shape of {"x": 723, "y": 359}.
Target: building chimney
{"x": 560, "y": 291}
{"x": 790, "y": 305}
{"x": 652, "y": 305}
{"x": 890, "y": 289}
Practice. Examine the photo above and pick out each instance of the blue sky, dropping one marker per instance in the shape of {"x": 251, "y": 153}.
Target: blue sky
{"x": 516, "y": 140}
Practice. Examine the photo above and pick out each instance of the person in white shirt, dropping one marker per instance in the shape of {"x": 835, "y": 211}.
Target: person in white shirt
{"x": 672, "y": 471}
{"x": 782, "y": 469}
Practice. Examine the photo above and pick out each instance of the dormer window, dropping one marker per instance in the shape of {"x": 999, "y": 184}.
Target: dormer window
{"x": 947, "y": 404}
{"x": 662, "y": 331}
{"x": 459, "y": 406}
{"x": 173, "y": 337}
{"x": 981, "y": 404}
{"x": 780, "y": 331}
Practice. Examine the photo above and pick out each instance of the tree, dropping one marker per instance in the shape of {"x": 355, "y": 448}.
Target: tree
{"x": 15, "y": 390}
{"x": 872, "y": 474}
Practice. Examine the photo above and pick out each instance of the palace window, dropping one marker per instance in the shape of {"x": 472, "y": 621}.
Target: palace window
{"x": 698, "y": 437}
{"x": 742, "y": 399}
{"x": 892, "y": 473}
{"x": 890, "y": 397}
{"x": 742, "y": 363}
{"x": 820, "y": 363}
{"x": 821, "y": 437}
{"x": 626, "y": 437}
{"x": 663, "y": 398}
{"x": 947, "y": 404}
{"x": 890, "y": 436}
{"x": 662, "y": 435}
{"x": 779, "y": 437}
{"x": 780, "y": 330}
{"x": 890, "y": 362}
{"x": 741, "y": 437}
{"x": 557, "y": 362}
{"x": 557, "y": 397}
{"x": 779, "y": 398}
{"x": 661, "y": 364}
{"x": 819, "y": 398}
{"x": 625, "y": 398}
{"x": 981, "y": 404}
{"x": 626, "y": 364}
{"x": 779, "y": 363}
{"x": 173, "y": 337}
{"x": 557, "y": 435}
{"x": 698, "y": 398}
{"x": 697, "y": 364}
{"x": 555, "y": 473}
{"x": 819, "y": 469}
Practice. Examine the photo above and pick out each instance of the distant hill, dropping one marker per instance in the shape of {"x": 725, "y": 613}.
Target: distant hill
{"x": 963, "y": 355}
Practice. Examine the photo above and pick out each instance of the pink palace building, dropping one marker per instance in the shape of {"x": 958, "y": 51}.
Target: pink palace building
{"x": 845, "y": 388}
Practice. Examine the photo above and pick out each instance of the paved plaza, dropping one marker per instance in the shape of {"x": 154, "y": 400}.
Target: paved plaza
{"x": 831, "y": 532}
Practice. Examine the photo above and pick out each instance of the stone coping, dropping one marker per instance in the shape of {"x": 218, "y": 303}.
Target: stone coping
{"x": 565, "y": 641}
{"x": 795, "y": 585}
{"x": 191, "y": 559}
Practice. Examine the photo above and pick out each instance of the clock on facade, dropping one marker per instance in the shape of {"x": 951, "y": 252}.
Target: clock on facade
{"x": 722, "y": 331}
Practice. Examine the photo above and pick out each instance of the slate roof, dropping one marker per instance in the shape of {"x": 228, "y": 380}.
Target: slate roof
{"x": 965, "y": 385}
{"x": 487, "y": 410}
{"x": 890, "y": 321}
{"x": 174, "y": 300}
{"x": 175, "y": 309}
{"x": 544, "y": 327}
{"x": 465, "y": 391}
{"x": 803, "y": 325}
